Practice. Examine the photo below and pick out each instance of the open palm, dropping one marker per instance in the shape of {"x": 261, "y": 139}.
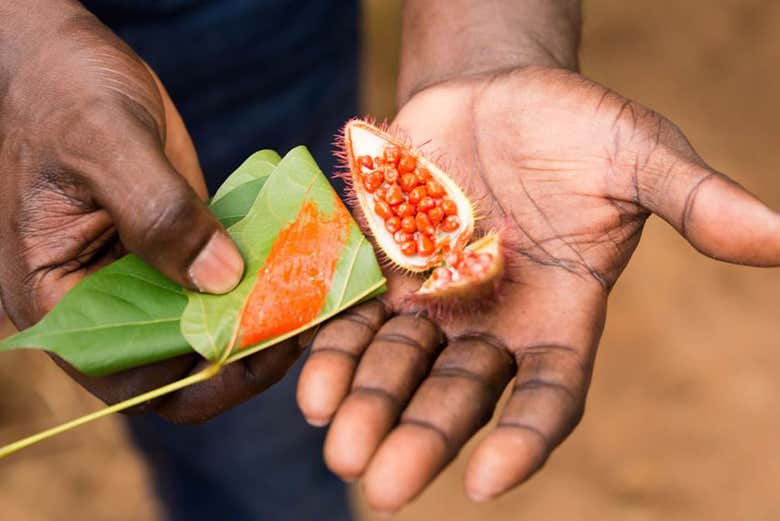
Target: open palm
{"x": 569, "y": 172}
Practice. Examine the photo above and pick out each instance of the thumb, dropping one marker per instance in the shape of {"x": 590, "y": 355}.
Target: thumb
{"x": 161, "y": 219}
{"x": 716, "y": 215}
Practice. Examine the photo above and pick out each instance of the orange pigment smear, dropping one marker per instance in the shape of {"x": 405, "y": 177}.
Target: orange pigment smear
{"x": 292, "y": 286}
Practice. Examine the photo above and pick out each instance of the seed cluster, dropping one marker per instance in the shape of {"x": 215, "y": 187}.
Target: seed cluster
{"x": 414, "y": 207}
{"x": 461, "y": 265}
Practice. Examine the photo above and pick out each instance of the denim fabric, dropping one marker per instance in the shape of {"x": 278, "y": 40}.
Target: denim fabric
{"x": 246, "y": 75}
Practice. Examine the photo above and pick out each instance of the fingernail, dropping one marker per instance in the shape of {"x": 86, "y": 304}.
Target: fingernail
{"x": 477, "y": 497}
{"x": 317, "y": 423}
{"x": 218, "y": 267}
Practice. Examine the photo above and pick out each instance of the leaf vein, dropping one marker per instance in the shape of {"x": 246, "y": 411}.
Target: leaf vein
{"x": 351, "y": 269}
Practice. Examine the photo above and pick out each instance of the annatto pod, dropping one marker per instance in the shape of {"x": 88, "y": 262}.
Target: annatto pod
{"x": 421, "y": 220}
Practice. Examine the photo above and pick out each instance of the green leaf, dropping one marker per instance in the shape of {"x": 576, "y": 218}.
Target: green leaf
{"x": 123, "y": 316}
{"x": 210, "y": 322}
{"x": 128, "y": 314}
{"x": 237, "y": 194}
{"x": 258, "y": 165}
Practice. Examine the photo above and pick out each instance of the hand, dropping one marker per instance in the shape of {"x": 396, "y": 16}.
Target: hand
{"x": 575, "y": 170}
{"x": 96, "y": 161}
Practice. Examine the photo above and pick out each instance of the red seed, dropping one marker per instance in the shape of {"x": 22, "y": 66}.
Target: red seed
{"x": 449, "y": 207}
{"x": 436, "y": 215}
{"x": 435, "y": 189}
{"x": 391, "y": 175}
{"x": 408, "y": 225}
{"x": 424, "y": 224}
{"x": 380, "y": 193}
{"x": 401, "y": 237}
{"x": 383, "y": 210}
{"x": 425, "y": 245}
{"x": 394, "y": 195}
{"x": 373, "y": 181}
{"x": 442, "y": 275}
{"x": 473, "y": 266}
{"x": 392, "y": 154}
{"x": 423, "y": 174}
{"x": 409, "y": 248}
{"x": 451, "y": 223}
{"x": 486, "y": 259}
{"x": 366, "y": 162}
{"x": 407, "y": 163}
{"x": 453, "y": 258}
{"x": 406, "y": 210}
{"x": 408, "y": 182}
{"x": 426, "y": 203}
{"x": 416, "y": 195}
{"x": 393, "y": 224}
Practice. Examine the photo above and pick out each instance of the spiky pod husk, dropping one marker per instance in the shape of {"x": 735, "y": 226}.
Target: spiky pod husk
{"x": 469, "y": 297}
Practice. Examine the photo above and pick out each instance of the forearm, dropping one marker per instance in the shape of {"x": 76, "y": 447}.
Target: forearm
{"x": 444, "y": 39}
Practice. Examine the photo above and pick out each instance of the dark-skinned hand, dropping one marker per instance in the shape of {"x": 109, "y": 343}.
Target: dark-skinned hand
{"x": 95, "y": 162}
{"x": 570, "y": 171}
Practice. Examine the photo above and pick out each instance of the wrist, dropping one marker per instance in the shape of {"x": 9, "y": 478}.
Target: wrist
{"x": 472, "y": 37}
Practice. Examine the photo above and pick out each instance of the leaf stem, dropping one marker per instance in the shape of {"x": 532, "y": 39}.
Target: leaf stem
{"x": 121, "y": 406}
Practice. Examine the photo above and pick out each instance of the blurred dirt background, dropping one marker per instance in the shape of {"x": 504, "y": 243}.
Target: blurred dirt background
{"x": 682, "y": 420}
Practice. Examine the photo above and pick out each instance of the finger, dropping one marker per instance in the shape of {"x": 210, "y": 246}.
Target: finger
{"x": 234, "y": 384}
{"x": 179, "y": 148}
{"x": 546, "y": 403}
{"x": 337, "y": 348}
{"x": 392, "y": 367}
{"x": 161, "y": 219}
{"x": 554, "y": 350}
{"x": 456, "y": 399}
{"x": 716, "y": 215}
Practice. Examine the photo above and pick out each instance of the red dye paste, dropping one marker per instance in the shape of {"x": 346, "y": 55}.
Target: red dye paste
{"x": 292, "y": 286}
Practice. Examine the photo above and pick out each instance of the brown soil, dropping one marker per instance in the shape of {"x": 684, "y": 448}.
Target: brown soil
{"x": 682, "y": 419}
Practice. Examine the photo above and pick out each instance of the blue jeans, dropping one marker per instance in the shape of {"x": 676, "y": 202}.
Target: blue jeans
{"x": 246, "y": 75}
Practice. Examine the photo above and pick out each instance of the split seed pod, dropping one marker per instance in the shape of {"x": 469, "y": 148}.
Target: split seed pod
{"x": 421, "y": 220}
